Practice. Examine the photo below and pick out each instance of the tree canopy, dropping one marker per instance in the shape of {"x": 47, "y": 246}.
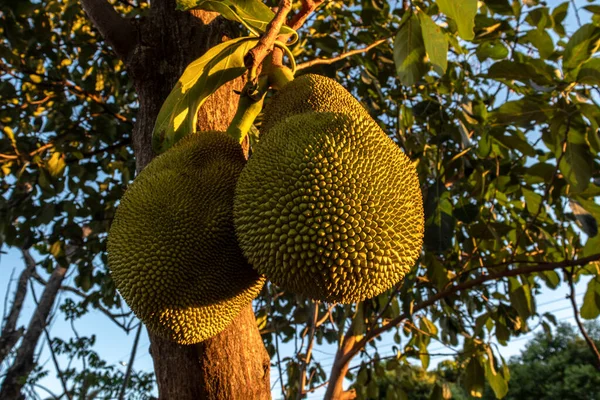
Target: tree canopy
{"x": 495, "y": 101}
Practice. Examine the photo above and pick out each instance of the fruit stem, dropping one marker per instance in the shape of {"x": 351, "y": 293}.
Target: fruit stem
{"x": 279, "y": 76}
{"x": 249, "y": 106}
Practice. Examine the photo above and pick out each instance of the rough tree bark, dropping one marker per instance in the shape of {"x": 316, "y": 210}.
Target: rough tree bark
{"x": 234, "y": 364}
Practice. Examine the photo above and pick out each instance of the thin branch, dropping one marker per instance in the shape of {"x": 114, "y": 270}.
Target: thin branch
{"x": 9, "y": 335}
{"x": 576, "y": 13}
{"x": 255, "y": 57}
{"x": 370, "y": 335}
{"x": 306, "y": 359}
{"x": 23, "y": 363}
{"x": 321, "y": 61}
{"x": 115, "y": 29}
{"x": 308, "y": 7}
{"x": 582, "y": 329}
{"x": 351, "y": 346}
{"x": 61, "y": 377}
{"x": 130, "y": 364}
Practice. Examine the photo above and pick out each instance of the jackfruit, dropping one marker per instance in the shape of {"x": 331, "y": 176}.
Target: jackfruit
{"x": 307, "y": 93}
{"x": 172, "y": 249}
{"x": 328, "y": 206}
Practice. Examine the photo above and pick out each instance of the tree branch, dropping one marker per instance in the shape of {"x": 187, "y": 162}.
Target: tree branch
{"x": 115, "y": 29}
{"x": 320, "y": 61}
{"x": 351, "y": 346}
{"x": 308, "y": 6}
{"x": 23, "y": 363}
{"x": 130, "y": 364}
{"x": 9, "y": 335}
{"x": 255, "y": 57}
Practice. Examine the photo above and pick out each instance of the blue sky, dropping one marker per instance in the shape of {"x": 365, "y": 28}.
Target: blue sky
{"x": 115, "y": 346}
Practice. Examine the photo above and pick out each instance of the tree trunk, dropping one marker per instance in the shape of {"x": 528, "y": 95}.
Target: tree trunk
{"x": 235, "y": 363}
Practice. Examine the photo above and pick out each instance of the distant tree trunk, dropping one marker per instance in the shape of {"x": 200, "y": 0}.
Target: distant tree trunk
{"x": 235, "y": 363}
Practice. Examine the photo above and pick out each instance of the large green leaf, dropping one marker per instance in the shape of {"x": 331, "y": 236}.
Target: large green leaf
{"x": 253, "y": 14}
{"x": 178, "y": 114}
{"x": 496, "y": 378}
{"x": 409, "y": 52}
{"x": 576, "y": 166}
{"x": 436, "y": 44}
{"x": 542, "y": 41}
{"x": 584, "y": 42}
{"x": 524, "y": 112}
{"x": 463, "y": 13}
{"x": 591, "y": 301}
{"x": 474, "y": 378}
{"x": 589, "y": 73}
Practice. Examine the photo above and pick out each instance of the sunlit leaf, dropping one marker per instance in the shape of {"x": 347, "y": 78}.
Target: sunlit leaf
{"x": 463, "y": 12}
{"x": 178, "y": 114}
{"x": 436, "y": 44}
{"x": 409, "y": 52}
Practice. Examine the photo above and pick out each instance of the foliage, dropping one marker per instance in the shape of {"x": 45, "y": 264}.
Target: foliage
{"x": 557, "y": 366}
{"x": 496, "y": 102}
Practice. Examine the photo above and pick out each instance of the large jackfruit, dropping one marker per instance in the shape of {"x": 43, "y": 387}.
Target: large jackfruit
{"x": 172, "y": 249}
{"x": 307, "y": 93}
{"x": 330, "y": 207}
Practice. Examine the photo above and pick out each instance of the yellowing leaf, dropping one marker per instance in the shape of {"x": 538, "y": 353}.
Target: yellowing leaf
{"x": 56, "y": 164}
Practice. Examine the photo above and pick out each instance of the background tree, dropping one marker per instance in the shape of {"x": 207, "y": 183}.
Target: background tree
{"x": 496, "y": 101}
{"x": 559, "y": 366}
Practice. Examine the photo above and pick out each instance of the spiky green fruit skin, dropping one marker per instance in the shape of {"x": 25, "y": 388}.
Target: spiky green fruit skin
{"x": 172, "y": 249}
{"x": 329, "y": 206}
{"x": 308, "y": 93}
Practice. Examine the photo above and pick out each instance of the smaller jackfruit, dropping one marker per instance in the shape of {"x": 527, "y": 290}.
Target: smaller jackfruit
{"x": 172, "y": 249}
{"x": 307, "y": 93}
{"x": 329, "y": 206}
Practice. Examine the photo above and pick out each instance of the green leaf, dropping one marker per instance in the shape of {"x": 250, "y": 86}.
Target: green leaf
{"x": 576, "y": 166}
{"x": 463, "y": 13}
{"x": 585, "y": 220}
{"x": 178, "y": 114}
{"x": 584, "y": 42}
{"x": 495, "y": 378}
{"x": 521, "y": 299}
{"x": 520, "y": 71}
{"x": 591, "y": 301}
{"x": 409, "y": 52}
{"x": 474, "y": 381}
{"x": 436, "y": 44}
{"x": 495, "y": 50}
{"x": 542, "y": 41}
{"x": 253, "y": 14}
{"x": 524, "y": 112}
{"x": 533, "y": 200}
{"x": 589, "y": 72}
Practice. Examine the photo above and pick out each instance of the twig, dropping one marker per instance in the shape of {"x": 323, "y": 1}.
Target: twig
{"x": 130, "y": 364}
{"x": 576, "y": 13}
{"x": 582, "y": 329}
{"x": 308, "y": 6}
{"x": 255, "y": 57}
{"x": 61, "y": 377}
{"x": 321, "y": 61}
{"x": 351, "y": 346}
{"x": 23, "y": 363}
{"x": 9, "y": 335}
{"x": 311, "y": 340}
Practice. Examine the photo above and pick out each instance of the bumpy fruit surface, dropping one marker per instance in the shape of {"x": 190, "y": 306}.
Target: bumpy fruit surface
{"x": 172, "y": 250}
{"x": 307, "y": 93}
{"x": 330, "y": 207}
